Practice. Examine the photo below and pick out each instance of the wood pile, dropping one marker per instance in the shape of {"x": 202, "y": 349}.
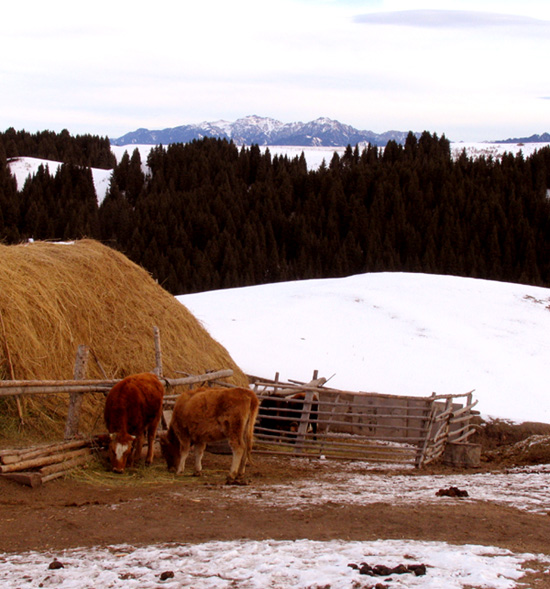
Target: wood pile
{"x": 39, "y": 464}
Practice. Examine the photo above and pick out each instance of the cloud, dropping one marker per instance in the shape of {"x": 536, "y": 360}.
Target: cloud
{"x": 448, "y": 19}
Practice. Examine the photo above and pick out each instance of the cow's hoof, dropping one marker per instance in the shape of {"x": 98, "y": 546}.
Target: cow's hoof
{"x": 237, "y": 481}
{"x": 197, "y": 473}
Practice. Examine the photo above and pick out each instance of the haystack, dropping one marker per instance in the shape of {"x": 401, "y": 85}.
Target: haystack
{"x": 56, "y": 296}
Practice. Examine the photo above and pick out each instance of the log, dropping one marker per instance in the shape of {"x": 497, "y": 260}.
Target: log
{"x": 13, "y": 456}
{"x": 66, "y": 464}
{"x": 7, "y": 384}
{"x": 31, "y": 479}
{"x": 54, "y": 389}
{"x": 54, "y": 475}
{"x": 45, "y": 387}
{"x": 42, "y": 461}
{"x": 173, "y": 382}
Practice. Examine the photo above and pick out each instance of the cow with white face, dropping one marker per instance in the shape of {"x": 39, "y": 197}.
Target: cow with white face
{"x": 133, "y": 407}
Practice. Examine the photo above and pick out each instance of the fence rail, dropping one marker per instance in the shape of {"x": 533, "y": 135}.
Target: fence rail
{"x": 311, "y": 419}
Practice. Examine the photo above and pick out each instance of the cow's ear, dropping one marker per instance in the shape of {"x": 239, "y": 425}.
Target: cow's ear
{"x": 132, "y": 438}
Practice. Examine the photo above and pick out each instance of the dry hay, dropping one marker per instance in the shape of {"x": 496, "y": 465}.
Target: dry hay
{"x": 54, "y": 297}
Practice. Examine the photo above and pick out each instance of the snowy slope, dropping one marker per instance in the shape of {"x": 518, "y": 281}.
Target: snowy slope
{"x": 394, "y": 333}
{"x": 23, "y": 167}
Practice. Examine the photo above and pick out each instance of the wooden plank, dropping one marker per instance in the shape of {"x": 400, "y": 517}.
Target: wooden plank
{"x": 31, "y": 479}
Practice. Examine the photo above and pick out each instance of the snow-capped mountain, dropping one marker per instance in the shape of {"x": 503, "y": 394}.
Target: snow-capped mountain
{"x": 322, "y": 132}
{"x": 544, "y": 138}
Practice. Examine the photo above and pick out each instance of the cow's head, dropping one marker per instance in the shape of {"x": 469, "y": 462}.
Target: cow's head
{"x": 170, "y": 448}
{"x": 120, "y": 448}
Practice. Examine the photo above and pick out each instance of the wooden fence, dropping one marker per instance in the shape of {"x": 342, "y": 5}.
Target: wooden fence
{"x": 349, "y": 425}
{"x": 360, "y": 426}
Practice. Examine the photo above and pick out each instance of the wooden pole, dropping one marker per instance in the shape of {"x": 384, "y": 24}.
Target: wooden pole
{"x": 35, "y": 387}
{"x": 316, "y": 382}
{"x": 158, "y": 352}
{"x": 75, "y": 402}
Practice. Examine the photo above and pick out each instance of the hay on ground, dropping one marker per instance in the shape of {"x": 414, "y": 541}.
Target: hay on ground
{"x": 54, "y": 297}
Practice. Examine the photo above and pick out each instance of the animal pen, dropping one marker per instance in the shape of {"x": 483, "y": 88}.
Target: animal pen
{"x": 363, "y": 426}
{"x": 304, "y": 419}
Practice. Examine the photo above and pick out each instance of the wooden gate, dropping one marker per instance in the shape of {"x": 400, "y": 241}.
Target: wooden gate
{"x": 312, "y": 420}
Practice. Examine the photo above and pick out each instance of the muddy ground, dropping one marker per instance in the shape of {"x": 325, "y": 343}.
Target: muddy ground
{"x": 146, "y": 506}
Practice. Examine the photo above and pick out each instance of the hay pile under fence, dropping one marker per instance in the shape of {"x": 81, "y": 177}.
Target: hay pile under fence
{"x": 54, "y": 297}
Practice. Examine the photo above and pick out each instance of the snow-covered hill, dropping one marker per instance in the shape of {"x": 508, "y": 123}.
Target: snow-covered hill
{"x": 23, "y": 167}
{"x": 395, "y": 333}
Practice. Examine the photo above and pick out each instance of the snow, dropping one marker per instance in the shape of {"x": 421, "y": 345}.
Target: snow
{"x": 393, "y": 333}
{"x": 266, "y": 564}
{"x": 305, "y": 563}
{"x": 524, "y": 488}
{"x": 23, "y": 167}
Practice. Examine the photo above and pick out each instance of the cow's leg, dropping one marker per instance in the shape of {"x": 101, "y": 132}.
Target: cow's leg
{"x": 199, "y": 452}
{"x": 242, "y": 465}
{"x": 135, "y": 456}
{"x": 151, "y": 433}
{"x": 184, "y": 453}
{"x": 239, "y": 454}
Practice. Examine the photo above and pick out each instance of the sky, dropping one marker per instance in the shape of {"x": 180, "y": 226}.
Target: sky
{"x": 470, "y": 69}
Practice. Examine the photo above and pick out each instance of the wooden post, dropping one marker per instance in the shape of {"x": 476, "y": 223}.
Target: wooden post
{"x": 428, "y": 424}
{"x": 306, "y": 409}
{"x": 158, "y": 352}
{"x": 75, "y": 401}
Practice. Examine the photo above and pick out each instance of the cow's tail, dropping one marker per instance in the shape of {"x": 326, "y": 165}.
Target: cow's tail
{"x": 249, "y": 430}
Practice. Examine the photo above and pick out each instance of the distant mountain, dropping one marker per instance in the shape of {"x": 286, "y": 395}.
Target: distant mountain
{"x": 544, "y": 138}
{"x": 250, "y": 130}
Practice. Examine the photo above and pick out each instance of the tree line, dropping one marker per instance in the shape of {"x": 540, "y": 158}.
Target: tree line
{"x": 208, "y": 214}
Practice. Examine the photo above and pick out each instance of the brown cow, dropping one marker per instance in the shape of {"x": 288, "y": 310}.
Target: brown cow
{"x": 133, "y": 406}
{"x": 211, "y": 415}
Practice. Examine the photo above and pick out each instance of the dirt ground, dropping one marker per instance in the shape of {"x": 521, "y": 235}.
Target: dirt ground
{"x": 96, "y": 508}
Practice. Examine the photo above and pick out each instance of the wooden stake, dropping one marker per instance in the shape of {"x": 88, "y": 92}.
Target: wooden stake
{"x": 75, "y": 402}
{"x": 158, "y": 352}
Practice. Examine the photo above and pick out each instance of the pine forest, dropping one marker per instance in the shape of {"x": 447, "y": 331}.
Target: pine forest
{"x": 210, "y": 215}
